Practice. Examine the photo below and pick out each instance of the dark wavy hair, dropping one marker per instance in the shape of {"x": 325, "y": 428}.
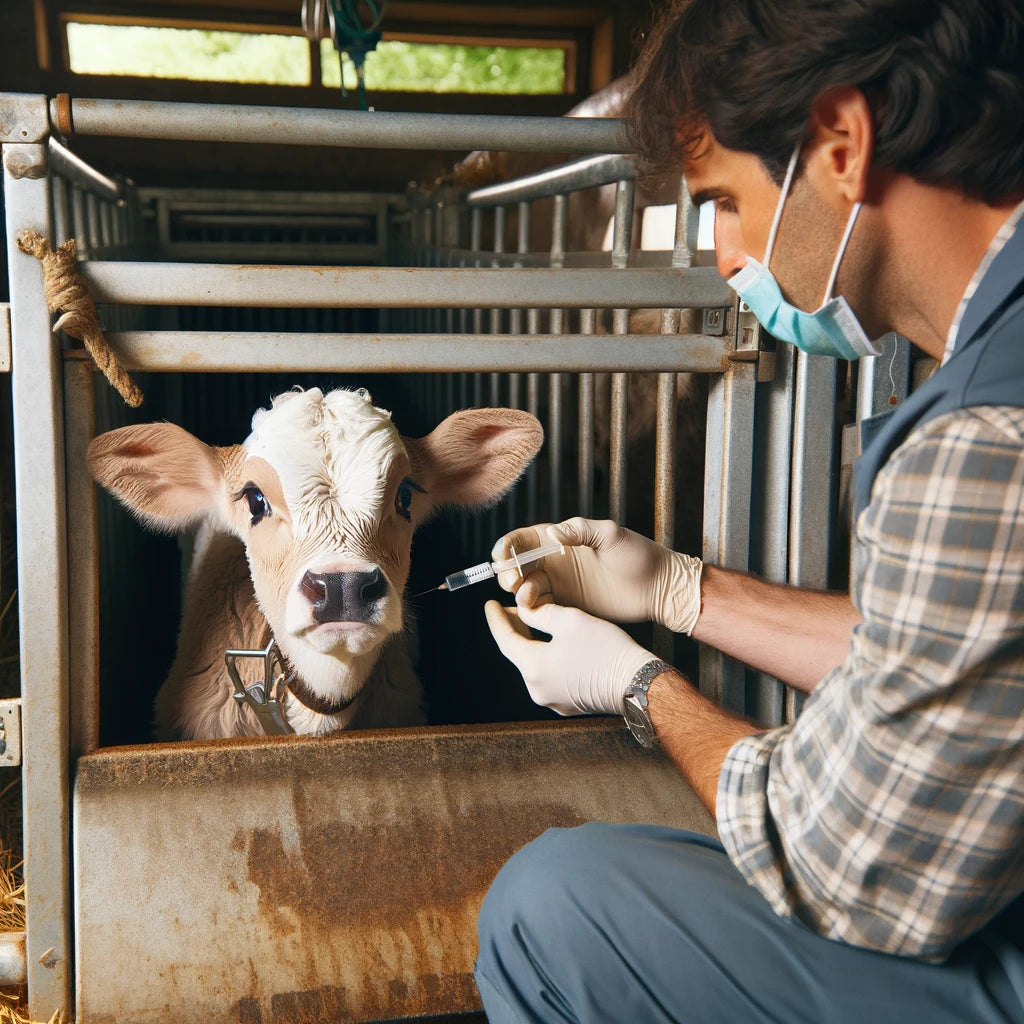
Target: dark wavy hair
{"x": 943, "y": 78}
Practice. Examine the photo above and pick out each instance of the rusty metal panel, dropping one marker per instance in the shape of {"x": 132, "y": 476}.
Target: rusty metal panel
{"x": 325, "y": 880}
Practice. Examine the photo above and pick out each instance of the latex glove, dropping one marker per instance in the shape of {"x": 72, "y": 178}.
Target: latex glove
{"x": 608, "y": 571}
{"x": 583, "y": 669}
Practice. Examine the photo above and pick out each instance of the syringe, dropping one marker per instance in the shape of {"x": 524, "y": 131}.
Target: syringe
{"x": 488, "y": 570}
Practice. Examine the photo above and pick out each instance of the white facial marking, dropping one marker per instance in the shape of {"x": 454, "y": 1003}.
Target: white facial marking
{"x": 333, "y": 455}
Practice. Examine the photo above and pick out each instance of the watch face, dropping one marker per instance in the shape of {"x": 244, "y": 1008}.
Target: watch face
{"x": 639, "y": 724}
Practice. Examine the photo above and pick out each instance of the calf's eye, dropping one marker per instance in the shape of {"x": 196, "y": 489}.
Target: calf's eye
{"x": 403, "y": 499}
{"x": 259, "y": 507}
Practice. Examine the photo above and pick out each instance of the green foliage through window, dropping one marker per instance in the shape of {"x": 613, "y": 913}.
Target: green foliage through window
{"x": 448, "y": 67}
{"x": 274, "y": 59}
{"x": 208, "y": 56}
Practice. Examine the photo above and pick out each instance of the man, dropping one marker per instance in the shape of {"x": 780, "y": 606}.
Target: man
{"x": 872, "y": 853}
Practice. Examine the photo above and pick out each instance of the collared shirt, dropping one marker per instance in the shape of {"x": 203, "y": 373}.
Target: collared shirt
{"x": 890, "y": 815}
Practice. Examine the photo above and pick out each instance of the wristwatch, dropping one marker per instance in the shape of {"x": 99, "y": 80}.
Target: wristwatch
{"x": 635, "y": 701}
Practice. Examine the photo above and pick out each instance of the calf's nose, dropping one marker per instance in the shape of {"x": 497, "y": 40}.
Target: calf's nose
{"x": 344, "y": 596}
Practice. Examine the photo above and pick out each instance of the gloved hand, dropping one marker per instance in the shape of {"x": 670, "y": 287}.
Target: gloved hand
{"x": 608, "y": 571}
{"x": 583, "y": 669}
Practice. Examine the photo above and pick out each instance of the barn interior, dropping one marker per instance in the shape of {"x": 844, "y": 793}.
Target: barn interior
{"x": 251, "y": 184}
{"x": 663, "y": 407}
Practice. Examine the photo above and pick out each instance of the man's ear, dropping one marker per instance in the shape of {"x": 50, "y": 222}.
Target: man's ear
{"x": 842, "y": 143}
{"x": 165, "y": 476}
{"x": 473, "y": 457}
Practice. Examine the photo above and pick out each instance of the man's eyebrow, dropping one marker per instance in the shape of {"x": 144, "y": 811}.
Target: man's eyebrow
{"x": 705, "y": 195}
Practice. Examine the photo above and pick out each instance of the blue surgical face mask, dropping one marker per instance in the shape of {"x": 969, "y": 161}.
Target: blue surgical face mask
{"x": 832, "y": 330}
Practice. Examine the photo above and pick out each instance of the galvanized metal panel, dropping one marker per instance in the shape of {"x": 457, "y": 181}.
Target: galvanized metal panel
{"x": 241, "y": 879}
{"x": 42, "y": 588}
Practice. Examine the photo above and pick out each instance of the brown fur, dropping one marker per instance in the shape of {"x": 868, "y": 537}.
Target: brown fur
{"x": 245, "y": 575}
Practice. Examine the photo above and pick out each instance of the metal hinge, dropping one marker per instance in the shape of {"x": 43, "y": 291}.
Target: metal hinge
{"x": 10, "y": 733}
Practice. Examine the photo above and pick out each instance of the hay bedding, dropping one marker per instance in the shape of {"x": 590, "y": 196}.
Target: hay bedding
{"x": 12, "y": 919}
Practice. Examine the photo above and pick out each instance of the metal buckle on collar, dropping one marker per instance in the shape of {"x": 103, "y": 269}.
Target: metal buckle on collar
{"x": 265, "y": 698}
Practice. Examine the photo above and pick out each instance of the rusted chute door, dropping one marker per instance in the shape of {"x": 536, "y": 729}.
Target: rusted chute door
{"x": 325, "y": 880}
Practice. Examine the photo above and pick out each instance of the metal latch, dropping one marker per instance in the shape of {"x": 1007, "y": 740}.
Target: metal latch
{"x": 10, "y": 733}
{"x": 264, "y": 696}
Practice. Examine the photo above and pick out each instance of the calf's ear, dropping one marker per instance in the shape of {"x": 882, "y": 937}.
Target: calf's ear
{"x": 165, "y": 476}
{"x": 473, "y": 457}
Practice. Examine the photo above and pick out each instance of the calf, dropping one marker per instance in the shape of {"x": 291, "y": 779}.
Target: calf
{"x": 321, "y": 500}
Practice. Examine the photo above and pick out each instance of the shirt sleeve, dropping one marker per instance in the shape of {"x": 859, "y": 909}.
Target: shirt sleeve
{"x": 890, "y": 814}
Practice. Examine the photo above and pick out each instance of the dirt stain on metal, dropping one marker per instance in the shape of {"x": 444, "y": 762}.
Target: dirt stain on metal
{"x": 387, "y": 873}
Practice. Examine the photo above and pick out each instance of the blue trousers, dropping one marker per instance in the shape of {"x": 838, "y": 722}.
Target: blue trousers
{"x": 632, "y": 924}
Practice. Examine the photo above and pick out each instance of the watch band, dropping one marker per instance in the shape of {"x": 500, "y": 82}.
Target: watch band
{"x": 634, "y": 701}
{"x": 645, "y": 675}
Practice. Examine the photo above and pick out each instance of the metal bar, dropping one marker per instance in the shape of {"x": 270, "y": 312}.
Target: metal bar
{"x": 500, "y": 222}
{"x": 585, "y": 441}
{"x": 83, "y": 560}
{"x": 622, "y": 235}
{"x": 209, "y": 122}
{"x": 42, "y": 590}
{"x": 533, "y": 408}
{"x": 77, "y": 227}
{"x": 74, "y": 168}
{"x": 687, "y": 228}
{"x": 587, "y": 172}
{"x": 813, "y": 489}
{"x": 665, "y": 461}
{"x": 559, "y": 233}
{"x": 727, "y": 494}
{"x": 773, "y": 437}
{"x": 202, "y": 284}
{"x": 61, "y": 211}
{"x": 515, "y": 381}
{"x": 232, "y": 351}
{"x": 812, "y": 498}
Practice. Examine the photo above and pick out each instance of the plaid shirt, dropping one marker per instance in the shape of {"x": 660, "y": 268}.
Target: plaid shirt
{"x": 890, "y": 815}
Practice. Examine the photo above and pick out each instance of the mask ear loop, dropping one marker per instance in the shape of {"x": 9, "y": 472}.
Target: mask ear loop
{"x": 777, "y": 220}
{"x": 844, "y": 241}
{"x": 893, "y": 398}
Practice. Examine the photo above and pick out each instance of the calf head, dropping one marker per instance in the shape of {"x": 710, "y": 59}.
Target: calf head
{"x": 325, "y": 495}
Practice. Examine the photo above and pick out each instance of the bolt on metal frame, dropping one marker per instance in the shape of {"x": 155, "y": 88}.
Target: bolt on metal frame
{"x": 463, "y": 311}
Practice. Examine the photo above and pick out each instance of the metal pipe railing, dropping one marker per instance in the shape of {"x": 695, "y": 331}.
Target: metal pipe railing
{"x": 587, "y": 172}
{"x": 209, "y": 122}
{"x": 238, "y": 351}
{"x": 63, "y": 162}
{"x": 204, "y": 284}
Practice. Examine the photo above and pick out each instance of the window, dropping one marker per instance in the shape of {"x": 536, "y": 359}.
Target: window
{"x": 208, "y": 55}
{"x": 225, "y": 54}
{"x": 447, "y": 67}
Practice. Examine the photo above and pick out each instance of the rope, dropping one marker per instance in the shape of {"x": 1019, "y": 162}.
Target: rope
{"x": 65, "y": 293}
{"x": 351, "y": 38}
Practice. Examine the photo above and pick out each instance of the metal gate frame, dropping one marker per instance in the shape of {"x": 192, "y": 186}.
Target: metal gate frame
{"x": 789, "y": 401}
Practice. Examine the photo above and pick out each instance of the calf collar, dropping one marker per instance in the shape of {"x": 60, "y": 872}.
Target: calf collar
{"x": 266, "y": 697}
